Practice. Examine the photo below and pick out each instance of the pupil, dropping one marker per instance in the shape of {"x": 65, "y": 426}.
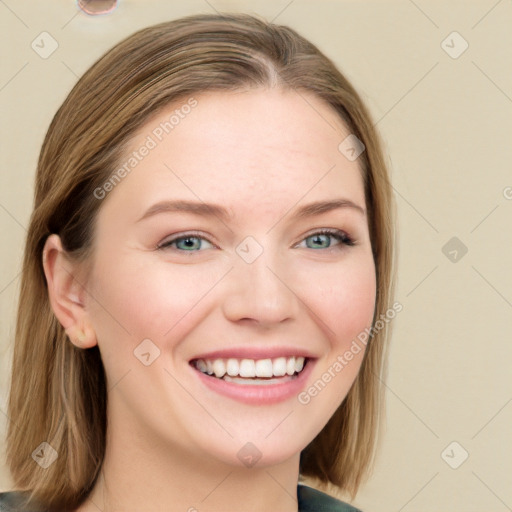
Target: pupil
{"x": 318, "y": 240}
{"x": 188, "y": 242}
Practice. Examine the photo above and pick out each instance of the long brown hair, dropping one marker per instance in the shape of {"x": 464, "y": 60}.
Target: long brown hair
{"x": 58, "y": 392}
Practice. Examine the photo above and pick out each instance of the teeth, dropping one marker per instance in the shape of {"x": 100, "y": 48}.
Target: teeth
{"x": 264, "y": 368}
{"x": 250, "y": 368}
{"x": 252, "y": 382}
{"x": 290, "y": 366}
{"x": 279, "y": 366}
{"x": 219, "y": 368}
{"x": 201, "y": 365}
{"x": 247, "y": 368}
{"x": 233, "y": 367}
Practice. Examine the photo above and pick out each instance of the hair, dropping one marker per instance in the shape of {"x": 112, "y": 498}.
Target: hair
{"x": 58, "y": 392}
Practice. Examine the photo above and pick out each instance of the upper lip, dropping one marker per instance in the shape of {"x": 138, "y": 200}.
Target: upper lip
{"x": 255, "y": 353}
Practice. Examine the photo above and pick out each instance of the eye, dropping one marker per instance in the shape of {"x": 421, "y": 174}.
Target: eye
{"x": 321, "y": 239}
{"x": 185, "y": 243}
{"x": 193, "y": 242}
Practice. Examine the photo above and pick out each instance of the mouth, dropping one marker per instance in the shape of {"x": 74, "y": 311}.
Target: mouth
{"x": 252, "y": 371}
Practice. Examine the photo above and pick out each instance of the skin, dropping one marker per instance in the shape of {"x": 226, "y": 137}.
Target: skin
{"x": 172, "y": 442}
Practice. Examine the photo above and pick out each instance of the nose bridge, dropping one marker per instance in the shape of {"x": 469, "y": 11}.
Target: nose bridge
{"x": 258, "y": 286}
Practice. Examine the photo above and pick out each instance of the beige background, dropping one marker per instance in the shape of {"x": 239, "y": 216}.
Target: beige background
{"x": 447, "y": 125}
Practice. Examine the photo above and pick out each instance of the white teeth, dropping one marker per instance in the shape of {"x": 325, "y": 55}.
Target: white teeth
{"x": 247, "y": 368}
{"x": 252, "y": 382}
{"x": 250, "y": 368}
{"x": 279, "y": 366}
{"x": 201, "y": 365}
{"x": 290, "y": 366}
{"x": 219, "y": 368}
{"x": 232, "y": 367}
{"x": 264, "y": 368}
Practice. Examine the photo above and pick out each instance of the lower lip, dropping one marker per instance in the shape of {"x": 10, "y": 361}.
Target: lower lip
{"x": 258, "y": 395}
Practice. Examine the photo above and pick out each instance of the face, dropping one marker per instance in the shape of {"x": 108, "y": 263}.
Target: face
{"x": 177, "y": 288}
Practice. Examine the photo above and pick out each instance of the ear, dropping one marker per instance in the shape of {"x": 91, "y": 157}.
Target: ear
{"x": 67, "y": 295}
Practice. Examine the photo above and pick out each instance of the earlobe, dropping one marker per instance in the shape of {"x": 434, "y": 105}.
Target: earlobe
{"x": 82, "y": 337}
{"x": 66, "y": 294}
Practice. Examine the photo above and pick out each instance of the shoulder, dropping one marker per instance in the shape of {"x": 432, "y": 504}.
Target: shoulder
{"x": 15, "y": 501}
{"x": 312, "y": 500}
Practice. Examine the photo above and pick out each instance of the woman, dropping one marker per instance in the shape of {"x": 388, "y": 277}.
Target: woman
{"x": 210, "y": 250}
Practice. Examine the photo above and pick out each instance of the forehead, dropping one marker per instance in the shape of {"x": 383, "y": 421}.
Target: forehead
{"x": 265, "y": 147}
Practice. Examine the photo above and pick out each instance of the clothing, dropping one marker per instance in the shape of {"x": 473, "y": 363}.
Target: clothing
{"x": 309, "y": 500}
{"x": 312, "y": 500}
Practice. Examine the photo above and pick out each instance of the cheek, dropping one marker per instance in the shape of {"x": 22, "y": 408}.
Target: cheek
{"x": 136, "y": 301}
{"x": 344, "y": 299}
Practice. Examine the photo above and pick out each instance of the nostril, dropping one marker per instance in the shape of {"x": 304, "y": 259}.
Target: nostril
{"x": 95, "y": 7}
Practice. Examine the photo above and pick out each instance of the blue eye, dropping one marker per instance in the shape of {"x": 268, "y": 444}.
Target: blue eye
{"x": 323, "y": 237}
{"x": 321, "y": 240}
{"x": 188, "y": 243}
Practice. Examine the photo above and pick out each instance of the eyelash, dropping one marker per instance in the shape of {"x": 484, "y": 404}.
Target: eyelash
{"x": 339, "y": 235}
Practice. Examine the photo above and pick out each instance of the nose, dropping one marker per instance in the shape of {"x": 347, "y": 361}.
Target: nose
{"x": 260, "y": 292}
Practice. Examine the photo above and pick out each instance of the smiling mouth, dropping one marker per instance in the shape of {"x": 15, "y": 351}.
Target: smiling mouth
{"x": 252, "y": 371}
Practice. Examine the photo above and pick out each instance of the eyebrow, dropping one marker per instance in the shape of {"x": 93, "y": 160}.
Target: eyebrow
{"x": 215, "y": 210}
